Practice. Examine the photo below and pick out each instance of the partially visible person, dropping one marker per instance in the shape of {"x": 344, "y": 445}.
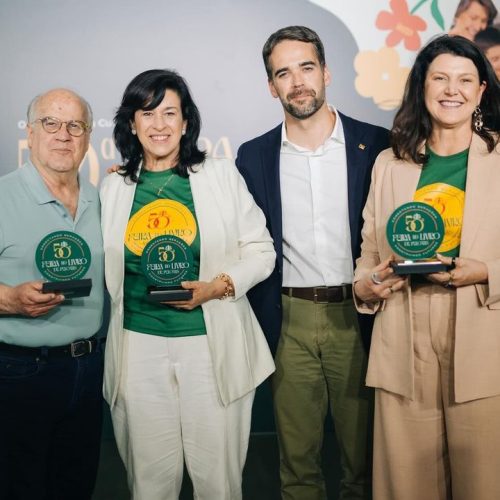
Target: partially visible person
{"x": 472, "y": 16}
{"x": 435, "y": 353}
{"x": 310, "y": 175}
{"x": 180, "y": 377}
{"x": 50, "y": 361}
{"x": 488, "y": 41}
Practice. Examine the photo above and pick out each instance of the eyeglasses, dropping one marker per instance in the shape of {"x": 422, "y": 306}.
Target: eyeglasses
{"x": 75, "y": 128}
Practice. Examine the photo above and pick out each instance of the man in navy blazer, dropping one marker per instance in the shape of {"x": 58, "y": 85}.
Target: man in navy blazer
{"x": 310, "y": 176}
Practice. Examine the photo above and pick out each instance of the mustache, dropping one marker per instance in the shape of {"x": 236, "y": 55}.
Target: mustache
{"x": 301, "y": 93}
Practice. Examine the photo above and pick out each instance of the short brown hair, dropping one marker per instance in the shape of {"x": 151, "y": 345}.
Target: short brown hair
{"x": 297, "y": 33}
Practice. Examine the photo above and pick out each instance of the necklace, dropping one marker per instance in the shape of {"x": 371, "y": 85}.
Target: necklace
{"x": 163, "y": 186}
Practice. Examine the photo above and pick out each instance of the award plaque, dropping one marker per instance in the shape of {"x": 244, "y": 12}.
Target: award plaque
{"x": 63, "y": 258}
{"x": 415, "y": 231}
{"x": 167, "y": 261}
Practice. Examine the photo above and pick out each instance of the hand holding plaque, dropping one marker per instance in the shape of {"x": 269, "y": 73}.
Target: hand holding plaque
{"x": 167, "y": 261}
{"x": 63, "y": 258}
{"x": 415, "y": 231}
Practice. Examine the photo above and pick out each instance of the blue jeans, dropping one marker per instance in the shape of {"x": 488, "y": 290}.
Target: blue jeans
{"x": 50, "y": 426}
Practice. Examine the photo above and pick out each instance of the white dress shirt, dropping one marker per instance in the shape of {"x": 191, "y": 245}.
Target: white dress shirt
{"x": 316, "y": 234}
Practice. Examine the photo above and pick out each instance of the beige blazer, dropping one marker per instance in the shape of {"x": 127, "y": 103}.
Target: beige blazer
{"x": 477, "y": 322}
{"x": 234, "y": 240}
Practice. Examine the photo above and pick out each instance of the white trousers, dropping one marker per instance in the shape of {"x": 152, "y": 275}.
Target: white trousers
{"x": 168, "y": 411}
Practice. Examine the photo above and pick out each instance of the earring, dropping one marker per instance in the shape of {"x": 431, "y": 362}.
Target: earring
{"x": 183, "y": 131}
{"x": 134, "y": 132}
{"x": 477, "y": 118}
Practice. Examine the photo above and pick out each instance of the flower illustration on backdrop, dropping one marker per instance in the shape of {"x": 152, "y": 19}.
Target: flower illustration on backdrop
{"x": 403, "y": 25}
{"x": 381, "y": 77}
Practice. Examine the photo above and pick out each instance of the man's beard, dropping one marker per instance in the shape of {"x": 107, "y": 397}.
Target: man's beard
{"x": 304, "y": 111}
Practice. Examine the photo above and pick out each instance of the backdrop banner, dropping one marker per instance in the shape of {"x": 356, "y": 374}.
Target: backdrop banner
{"x": 96, "y": 48}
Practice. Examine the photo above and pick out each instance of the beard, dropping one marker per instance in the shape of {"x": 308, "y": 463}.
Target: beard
{"x": 308, "y": 108}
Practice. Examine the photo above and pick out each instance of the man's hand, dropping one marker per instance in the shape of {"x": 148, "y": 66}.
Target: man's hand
{"x": 27, "y": 299}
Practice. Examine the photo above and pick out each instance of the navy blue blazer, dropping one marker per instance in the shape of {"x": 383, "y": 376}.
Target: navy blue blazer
{"x": 258, "y": 161}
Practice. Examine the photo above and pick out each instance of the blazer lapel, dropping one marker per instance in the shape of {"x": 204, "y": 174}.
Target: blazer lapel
{"x": 123, "y": 198}
{"x": 206, "y": 197}
{"x": 270, "y": 164}
{"x": 404, "y": 177}
{"x": 480, "y": 168}
{"x": 358, "y": 161}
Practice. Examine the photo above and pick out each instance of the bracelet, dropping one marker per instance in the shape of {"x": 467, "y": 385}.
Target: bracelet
{"x": 229, "y": 291}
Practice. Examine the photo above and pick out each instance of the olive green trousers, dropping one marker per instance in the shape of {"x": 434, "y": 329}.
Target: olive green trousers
{"x": 321, "y": 362}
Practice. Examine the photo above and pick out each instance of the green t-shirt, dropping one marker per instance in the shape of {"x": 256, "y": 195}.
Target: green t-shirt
{"x": 163, "y": 204}
{"x": 442, "y": 185}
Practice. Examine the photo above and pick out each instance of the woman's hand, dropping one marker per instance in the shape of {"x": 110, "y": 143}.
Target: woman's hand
{"x": 381, "y": 283}
{"x": 462, "y": 272}
{"x": 203, "y": 291}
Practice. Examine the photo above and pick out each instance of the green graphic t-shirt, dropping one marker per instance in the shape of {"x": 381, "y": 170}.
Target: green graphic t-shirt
{"x": 163, "y": 204}
{"x": 442, "y": 185}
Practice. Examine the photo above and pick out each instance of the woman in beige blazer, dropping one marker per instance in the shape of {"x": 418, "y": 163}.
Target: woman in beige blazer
{"x": 435, "y": 352}
{"x": 180, "y": 377}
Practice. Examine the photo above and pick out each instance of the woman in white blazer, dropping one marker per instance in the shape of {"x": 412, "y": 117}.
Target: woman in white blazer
{"x": 180, "y": 377}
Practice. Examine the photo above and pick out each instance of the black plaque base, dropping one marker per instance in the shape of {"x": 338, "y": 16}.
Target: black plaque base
{"x": 168, "y": 293}
{"x": 418, "y": 267}
{"x": 70, "y": 289}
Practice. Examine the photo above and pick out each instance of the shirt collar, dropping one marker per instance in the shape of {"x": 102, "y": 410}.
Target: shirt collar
{"x": 39, "y": 189}
{"x": 337, "y": 134}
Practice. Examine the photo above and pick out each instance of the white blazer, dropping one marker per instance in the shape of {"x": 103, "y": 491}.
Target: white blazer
{"x": 233, "y": 240}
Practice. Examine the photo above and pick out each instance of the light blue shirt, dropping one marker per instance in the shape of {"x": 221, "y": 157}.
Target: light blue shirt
{"x": 28, "y": 213}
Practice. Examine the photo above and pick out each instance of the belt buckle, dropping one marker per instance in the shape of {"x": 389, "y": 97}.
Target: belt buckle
{"x": 78, "y": 348}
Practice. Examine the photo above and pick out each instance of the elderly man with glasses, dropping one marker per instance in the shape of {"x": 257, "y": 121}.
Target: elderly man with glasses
{"x": 50, "y": 359}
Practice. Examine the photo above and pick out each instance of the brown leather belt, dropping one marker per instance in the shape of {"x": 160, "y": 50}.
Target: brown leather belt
{"x": 320, "y": 294}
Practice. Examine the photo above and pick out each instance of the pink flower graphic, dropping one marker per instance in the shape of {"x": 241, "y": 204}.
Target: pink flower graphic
{"x": 403, "y": 25}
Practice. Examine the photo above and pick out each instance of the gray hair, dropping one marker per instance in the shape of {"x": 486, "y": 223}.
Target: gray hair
{"x": 33, "y": 105}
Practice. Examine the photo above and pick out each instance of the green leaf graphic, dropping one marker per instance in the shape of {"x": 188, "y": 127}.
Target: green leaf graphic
{"x": 436, "y": 14}
{"x": 419, "y": 4}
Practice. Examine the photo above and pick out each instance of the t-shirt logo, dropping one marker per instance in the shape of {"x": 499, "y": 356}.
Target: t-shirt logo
{"x": 449, "y": 203}
{"x": 161, "y": 217}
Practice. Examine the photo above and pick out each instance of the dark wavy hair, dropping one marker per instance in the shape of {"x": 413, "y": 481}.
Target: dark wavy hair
{"x": 146, "y": 91}
{"x": 297, "y": 33}
{"x": 490, "y": 37}
{"x": 412, "y": 124}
